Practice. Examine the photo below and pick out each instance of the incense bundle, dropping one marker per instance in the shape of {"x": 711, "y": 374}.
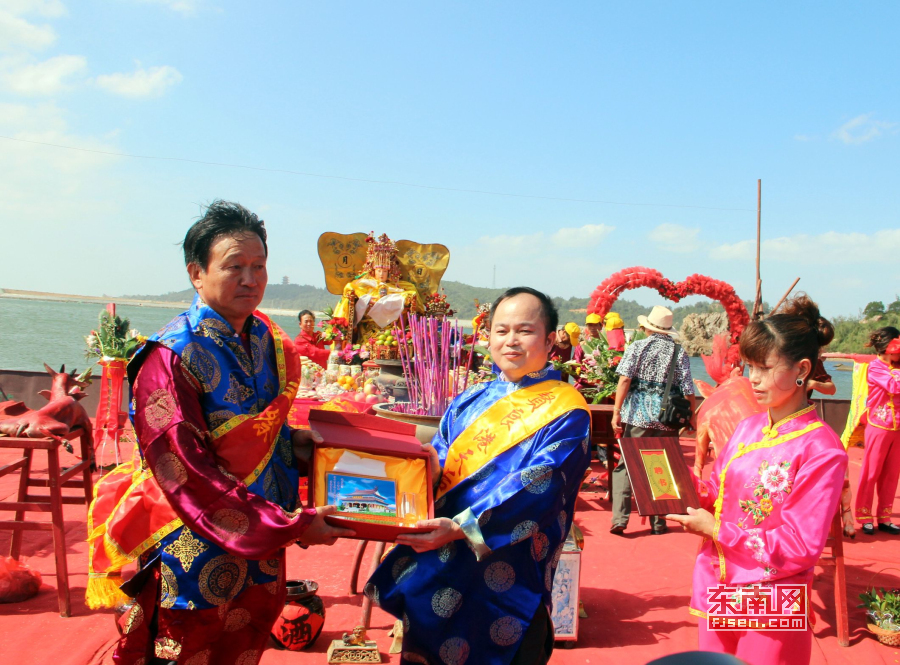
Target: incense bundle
{"x": 431, "y": 363}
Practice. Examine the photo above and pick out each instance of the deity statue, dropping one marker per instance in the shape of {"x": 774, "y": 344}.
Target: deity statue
{"x": 375, "y": 299}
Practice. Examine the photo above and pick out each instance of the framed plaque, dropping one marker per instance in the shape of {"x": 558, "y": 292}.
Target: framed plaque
{"x": 374, "y": 470}
{"x": 659, "y": 476}
{"x": 566, "y": 593}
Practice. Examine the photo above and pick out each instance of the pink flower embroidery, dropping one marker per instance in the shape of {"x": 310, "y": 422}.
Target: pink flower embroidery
{"x": 775, "y": 479}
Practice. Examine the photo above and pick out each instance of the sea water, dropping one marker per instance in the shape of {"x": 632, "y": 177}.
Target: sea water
{"x": 34, "y": 332}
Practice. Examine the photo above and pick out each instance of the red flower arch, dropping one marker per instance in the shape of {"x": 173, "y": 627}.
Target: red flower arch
{"x": 608, "y": 292}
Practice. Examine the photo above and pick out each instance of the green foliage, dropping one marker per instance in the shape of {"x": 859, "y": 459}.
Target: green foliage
{"x": 112, "y": 339}
{"x": 850, "y": 335}
{"x": 883, "y": 607}
{"x": 874, "y": 308}
{"x": 894, "y": 307}
{"x": 597, "y": 370}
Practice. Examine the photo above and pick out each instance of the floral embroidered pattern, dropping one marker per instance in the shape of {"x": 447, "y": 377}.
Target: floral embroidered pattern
{"x": 757, "y": 546}
{"x": 773, "y": 484}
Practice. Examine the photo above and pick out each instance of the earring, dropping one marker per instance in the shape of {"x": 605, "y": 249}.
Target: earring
{"x": 800, "y": 381}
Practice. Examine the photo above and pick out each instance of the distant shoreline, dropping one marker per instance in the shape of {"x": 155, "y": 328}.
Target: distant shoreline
{"x": 19, "y": 294}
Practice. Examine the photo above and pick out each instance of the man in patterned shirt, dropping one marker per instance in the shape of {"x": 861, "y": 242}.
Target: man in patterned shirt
{"x": 642, "y": 382}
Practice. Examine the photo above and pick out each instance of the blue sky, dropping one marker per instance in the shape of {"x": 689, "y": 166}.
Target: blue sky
{"x": 679, "y": 107}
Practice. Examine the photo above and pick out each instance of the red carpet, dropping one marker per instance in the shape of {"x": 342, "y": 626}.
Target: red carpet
{"x": 635, "y": 590}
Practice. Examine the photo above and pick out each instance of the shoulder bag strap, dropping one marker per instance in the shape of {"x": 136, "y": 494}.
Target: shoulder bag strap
{"x": 671, "y": 376}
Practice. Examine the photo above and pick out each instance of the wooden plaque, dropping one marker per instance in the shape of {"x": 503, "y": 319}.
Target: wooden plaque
{"x": 659, "y": 476}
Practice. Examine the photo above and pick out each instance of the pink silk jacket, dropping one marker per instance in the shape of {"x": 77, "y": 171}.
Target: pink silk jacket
{"x": 774, "y": 490}
{"x": 883, "y": 405}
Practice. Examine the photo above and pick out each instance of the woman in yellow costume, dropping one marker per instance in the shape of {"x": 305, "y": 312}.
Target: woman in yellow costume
{"x": 377, "y": 298}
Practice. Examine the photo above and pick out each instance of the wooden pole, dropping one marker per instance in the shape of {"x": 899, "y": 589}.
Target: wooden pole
{"x": 784, "y": 297}
{"x": 757, "y": 304}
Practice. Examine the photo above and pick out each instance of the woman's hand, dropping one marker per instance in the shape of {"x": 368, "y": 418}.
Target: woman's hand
{"x": 698, "y": 521}
{"x": 445, "y": 531}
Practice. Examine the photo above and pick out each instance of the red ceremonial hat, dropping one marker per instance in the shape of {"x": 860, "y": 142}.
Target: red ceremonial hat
{"x": 893, "y": 346}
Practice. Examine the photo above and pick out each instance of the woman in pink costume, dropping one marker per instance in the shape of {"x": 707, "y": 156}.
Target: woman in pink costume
{"x": 774, "y": 489}
{"x": 881, "y": 463}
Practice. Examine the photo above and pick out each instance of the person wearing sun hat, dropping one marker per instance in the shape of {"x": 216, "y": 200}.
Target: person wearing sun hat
{"x": 593, "y": 324}
{"x": 615, "y": 331}
{"x": 642, "y": 380}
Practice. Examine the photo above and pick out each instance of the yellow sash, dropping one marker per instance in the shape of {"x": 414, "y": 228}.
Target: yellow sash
{"x": 508, "y": 422}
{"x": 853, "y": 431}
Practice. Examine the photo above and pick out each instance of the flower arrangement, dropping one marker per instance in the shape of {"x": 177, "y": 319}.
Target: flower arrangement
{"x": 334, "y": 328}
{"x": 113, "y": 340}
{"x": 883, "y": 608}
{"x": 596, "y": 372}
{"x": 353, "y": 355}
{"x": 610, "y": 289}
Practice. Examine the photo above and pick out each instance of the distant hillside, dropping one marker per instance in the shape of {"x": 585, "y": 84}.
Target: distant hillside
{"x": 851, "y": 335}
{"x": 460, "y": 296}
{"x": 278, "y": 296}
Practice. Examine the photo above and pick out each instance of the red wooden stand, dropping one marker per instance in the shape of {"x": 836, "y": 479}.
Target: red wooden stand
{"x": 52, "y": 503}
{"x": 836, "y": 542}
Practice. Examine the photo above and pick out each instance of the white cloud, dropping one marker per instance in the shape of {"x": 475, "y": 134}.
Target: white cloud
{"x": 566, "y": 238}
{"x": 830, "y": 248}
{"x": 49, "y": 77}
{"x": 141, "y": 83}
{"x": 45, "y": 123}
{"x": 675, "y": 238}
{"x": 861, "y": 129}
{"x": 48, "y": 8}
{"x": 524, "y": 245}
{"x": 589, "y": 235}
{"x": 183, "y": 7}
{"x": 16, "y": 32}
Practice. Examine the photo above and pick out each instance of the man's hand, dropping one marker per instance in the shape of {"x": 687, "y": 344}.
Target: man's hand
{"x": 616, "y": 424}
{"x": 302, "y": 441}
{"x": 445, "y": 531}
{"x": 435, "y": 461}
{"x": 320, "y": 533}
{"x": 698, "y": 521}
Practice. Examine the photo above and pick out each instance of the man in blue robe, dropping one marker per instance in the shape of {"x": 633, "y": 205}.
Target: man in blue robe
{"x": 510, "y": 456}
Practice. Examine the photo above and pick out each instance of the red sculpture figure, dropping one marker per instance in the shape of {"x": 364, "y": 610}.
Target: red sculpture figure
{"x": 56, "y": 419}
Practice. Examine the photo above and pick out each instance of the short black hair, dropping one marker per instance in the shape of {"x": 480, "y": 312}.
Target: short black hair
{"x": 222, "y": 218}
{"x": 549, "y": 313}
{"x": 304, "y": 313}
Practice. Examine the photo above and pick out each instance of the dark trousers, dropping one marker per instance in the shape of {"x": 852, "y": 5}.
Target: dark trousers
{"x": 537, "y": 644}
{"x": 621, "y": 496}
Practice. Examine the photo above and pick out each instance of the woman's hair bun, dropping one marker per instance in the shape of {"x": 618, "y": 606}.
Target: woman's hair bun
{"x": 803, "y": 306}
{"x": 797, "y": 331}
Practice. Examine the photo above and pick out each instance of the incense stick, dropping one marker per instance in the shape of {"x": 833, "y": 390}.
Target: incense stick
{"x": 431, "y": 363}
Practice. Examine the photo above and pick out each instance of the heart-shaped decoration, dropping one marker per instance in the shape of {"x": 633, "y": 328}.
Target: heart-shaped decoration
{"x": 608, "y": 292}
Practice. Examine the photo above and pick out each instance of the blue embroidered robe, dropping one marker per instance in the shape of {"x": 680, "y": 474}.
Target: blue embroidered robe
{"x": 234, "y": 383}
{"x": 457, "y": 606}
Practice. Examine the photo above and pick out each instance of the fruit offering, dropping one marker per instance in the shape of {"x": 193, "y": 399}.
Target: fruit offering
{"x": 348, "y": 383}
